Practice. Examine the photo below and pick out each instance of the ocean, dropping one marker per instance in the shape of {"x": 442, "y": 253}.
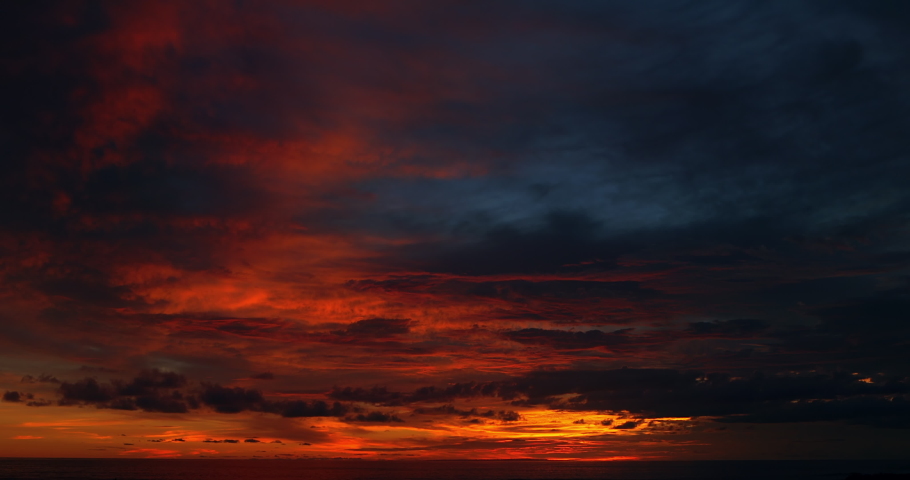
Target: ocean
{"x": 227, "y": 469}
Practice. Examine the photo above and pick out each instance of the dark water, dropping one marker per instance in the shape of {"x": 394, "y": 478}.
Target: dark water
{"x": 199, "y": 469}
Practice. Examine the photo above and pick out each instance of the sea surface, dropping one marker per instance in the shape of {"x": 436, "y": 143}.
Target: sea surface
{"x": 203, "y": 469}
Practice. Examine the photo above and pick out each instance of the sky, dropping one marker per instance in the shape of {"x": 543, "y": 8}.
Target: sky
{"x": 651, "y": 229}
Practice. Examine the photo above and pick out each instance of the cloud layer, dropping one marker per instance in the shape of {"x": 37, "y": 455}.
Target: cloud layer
{"x": 458, "y": 223}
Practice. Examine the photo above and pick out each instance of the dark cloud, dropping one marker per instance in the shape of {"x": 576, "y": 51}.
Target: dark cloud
{"x": 86, "y": 391}
{"x": 688, "y": 393}
{"x": 728, "y": 328}
{"x": 150, "y": 381}
{"x": 524, "y": 297}
{"x": 567, "y": 339}
{"x": 13, "y": 396}
{"x": 263, "y": 376}
{"x": 300, "y": 408}
{"x": 375, "y": 395}
{"x": 158, "y": 188}
{"x": 376, "y": 416}
{"x": 237, "y": 399}
{"x": 378, "y": 327}
{"x": 504, "y": 415}
{"x": 449, "y": 409}
{"x": 43, "y": 378}
{"x": 169, "y": 392}
{"x": 508, "y": 416}
{"x": 231, "y": 400}
{"x": 565, "y": 238}
{"x": 430, "y": 394}
{"x": 892, "y": 411}
{"x": 96, "y": 369}
{"x": 174, "y": 403}
{"x": 151, "y": 391}
{"x": 627, "y": 340}
{"x": 627, "y": 425}
{"x": 885, "y": 314}
{"x": 649, "y": 393}
{"x": 458, "y": 390}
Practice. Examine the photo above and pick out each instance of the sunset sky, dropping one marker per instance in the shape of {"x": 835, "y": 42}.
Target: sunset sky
{"x": 643, "y": 229}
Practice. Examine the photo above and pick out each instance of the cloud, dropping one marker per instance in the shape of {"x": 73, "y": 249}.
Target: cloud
{"x": 673, "y": 393}
{"x": 13, "y": 396}
{"x": 504, "y": 415}
{"x": 564, "y": 238}
{"x": 880, "y": 411}
{"x": 151, "y": 391}
{"x": 316, "y": 408}
{"x": 885, "y": 313}
{"x": 479, "y": 196}
{"x": 650, "y": 393}
{"x": 567, "y": 339}
{"x": 376, "y": 395}
{"x": 457, "y": 390}
{"x": 376, "y": 416}
{"x": 231, "y": 400}
{"x": 508, "y": 416}
{"x": 237, "y": 399}
{"x": 728, "y": 328}
{"x": 174, "y": 403}
{"x": 628, "y": 425}
{"x": 151, "y": 380}
{"x": 43, "y": 378}
{"x": 87, "y": 391}
{"x": 169, "y": 392}
{"x": 378, "y": 327}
